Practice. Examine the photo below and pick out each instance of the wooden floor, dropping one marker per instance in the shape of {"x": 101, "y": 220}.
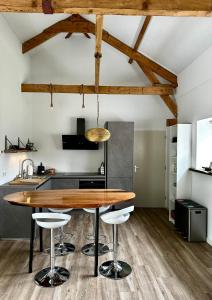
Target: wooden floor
{"x": 164, "y": 266}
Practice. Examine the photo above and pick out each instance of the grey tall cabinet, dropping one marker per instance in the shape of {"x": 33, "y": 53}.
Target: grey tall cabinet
{"x": 119, "y": 156}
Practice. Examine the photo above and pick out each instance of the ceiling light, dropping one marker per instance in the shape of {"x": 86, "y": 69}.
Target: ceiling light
{"x": 97, "y": 134}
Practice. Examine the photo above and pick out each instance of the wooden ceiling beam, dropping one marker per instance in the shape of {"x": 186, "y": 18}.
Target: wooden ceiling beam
{"x": 90, "y": 89}
{"x": 98, "y": 53}
{"x": 171, "y": 122}
{"x": 118, "y": 7}
{"x": 141, "y": 35}
{"x": 170, "y": 103}
{"x": 36, "y": 41}
{"x": 72, "y": 24}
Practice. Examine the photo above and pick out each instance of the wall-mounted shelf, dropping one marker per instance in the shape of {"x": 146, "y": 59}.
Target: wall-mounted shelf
{"x": 16, "y": 151}
{"x": 20, "y": 147}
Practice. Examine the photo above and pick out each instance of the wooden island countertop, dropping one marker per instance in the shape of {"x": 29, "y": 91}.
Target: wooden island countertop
{"x": 74, "y": 198}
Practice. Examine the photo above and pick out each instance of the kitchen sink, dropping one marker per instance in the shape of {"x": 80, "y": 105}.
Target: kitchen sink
{"x": 34, "y": 180}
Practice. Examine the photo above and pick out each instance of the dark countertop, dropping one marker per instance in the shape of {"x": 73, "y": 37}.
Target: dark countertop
{"x": 77, "y": 175}
{"x": 59, "y": 175}
{"x": 200, "y": 171}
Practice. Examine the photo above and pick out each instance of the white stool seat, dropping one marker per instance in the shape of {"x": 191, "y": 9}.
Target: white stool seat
{"x": 118, "y": 220}
{"x": 93, "y": 210}
{"x": 51, "y": 220}
{"x": 117, "y": 217}
{"x": 60, "y": 210}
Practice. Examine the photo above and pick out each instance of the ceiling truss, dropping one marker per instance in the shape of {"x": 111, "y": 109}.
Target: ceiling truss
{"x": 77, "y": 23}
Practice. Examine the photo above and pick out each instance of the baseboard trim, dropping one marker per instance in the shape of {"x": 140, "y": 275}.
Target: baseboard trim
{"x": 209, "y": 242}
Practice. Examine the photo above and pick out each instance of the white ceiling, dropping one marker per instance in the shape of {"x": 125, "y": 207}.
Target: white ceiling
{"x": 173, "y": 42}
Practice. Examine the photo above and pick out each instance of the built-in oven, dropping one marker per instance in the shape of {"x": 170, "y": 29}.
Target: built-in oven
{"x": 92, "y": 184}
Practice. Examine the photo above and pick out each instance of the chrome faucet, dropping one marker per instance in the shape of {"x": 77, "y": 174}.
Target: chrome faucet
{"x": 23, "y": 172}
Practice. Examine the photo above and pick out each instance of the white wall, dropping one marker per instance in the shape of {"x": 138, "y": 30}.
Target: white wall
{"x": 194, "y": 103}
{"x": 15, "y": 111}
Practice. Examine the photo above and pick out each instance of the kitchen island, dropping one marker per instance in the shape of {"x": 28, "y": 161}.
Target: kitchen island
{"x": 74, "y": 198}
{"x": 15, "y": 220}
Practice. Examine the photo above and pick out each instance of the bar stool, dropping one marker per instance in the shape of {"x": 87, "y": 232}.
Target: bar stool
{"x": 62, "y": 248}
{"x": 51, "y": 276}
{"x": 116, "y": 269}
{"x": 89, "y": 249}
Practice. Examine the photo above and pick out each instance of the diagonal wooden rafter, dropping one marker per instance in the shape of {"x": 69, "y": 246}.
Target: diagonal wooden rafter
{"x": 170, "y": 103}
{"x": 41, "y": 37}
{"x": 80, "y": 24}
{"x": 98, "y": 54}
{"x": 118, "y": 7}
{"x": 141, "y": 35}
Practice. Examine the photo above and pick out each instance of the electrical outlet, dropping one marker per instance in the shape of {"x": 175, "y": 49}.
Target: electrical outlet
{"x": 4, "y": 174}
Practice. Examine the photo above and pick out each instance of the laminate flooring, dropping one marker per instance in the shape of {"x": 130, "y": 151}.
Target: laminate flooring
{"x": 164, "y": 265}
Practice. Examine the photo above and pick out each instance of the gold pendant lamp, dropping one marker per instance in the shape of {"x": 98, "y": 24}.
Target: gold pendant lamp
{"x": 97, "y": 134}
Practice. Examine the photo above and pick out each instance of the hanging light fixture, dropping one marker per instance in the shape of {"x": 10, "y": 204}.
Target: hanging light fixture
{"x": 97, "y": 134}
{"x": 83, "y": 96}
{"x": 51, "y": 93}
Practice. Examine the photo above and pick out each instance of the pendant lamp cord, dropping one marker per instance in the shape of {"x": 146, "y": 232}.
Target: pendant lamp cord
{"x": 97, "y": 120}
{"x": 83, "y": 96}
{"x": 51, "y": 93}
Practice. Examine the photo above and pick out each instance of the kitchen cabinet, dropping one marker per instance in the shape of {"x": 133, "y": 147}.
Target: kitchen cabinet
{"x": 119, "y": 156}
{"x": 47, "y": 185}
{"x": 64, "y": 183}
{"x": 14, "y": 220}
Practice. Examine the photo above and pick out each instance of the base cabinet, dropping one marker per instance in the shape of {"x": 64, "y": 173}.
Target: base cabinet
{"x": 14, "y": 220}
{"x": 64, "y": 183}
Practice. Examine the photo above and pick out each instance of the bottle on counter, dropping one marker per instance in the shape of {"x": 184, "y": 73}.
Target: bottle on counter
{"x": 102, "y": 169}
{"x": 41, "y": 169}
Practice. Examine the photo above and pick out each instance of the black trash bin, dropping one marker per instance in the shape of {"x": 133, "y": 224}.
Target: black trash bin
{"x": 191, "y": 220}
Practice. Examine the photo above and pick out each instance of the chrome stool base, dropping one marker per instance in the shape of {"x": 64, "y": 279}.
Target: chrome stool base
{"x": 110, "y": 270}
{"x": 89, "y": 249}
{"x": 64, "y": 249}
{"x": 45, "y": 278}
